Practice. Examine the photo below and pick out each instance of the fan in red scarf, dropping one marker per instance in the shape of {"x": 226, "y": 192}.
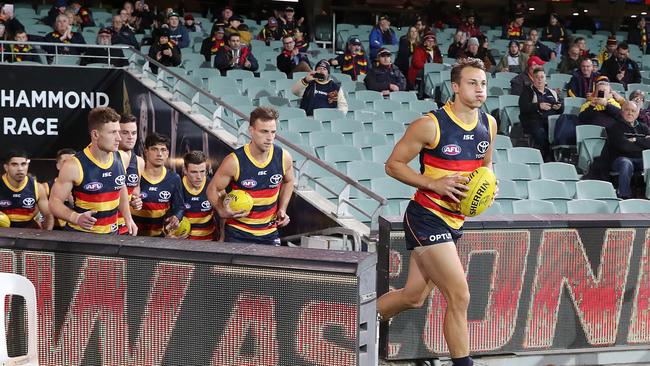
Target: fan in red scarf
{"x": 214, "y": 42}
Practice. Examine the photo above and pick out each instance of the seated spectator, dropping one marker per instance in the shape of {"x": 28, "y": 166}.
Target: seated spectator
{"x": 11, "y": 23}
{"x": 602, "y": 109}
{"x": 620, "y": 68}
{"x": 190, "y": 24}
{"x": 555, "y": 32}
{"x": 421, "y": 26}
{"x": 83, "y": 16}
{"x": 470, "y": 27}
{"x": 226, "y": 15}
{"x": 525, "y": 79}
{"x": 626, "y": 140}
{"x": 318, "y": 90}
{"x": 638, "y": 97}
{"x": 63, "y": 34}
{"x": 571, "y": 61}
{"x": 354, "y": 61}
{"x": 608, "y": 51}
{"x": 237, "y": 26}
{"x": 299, "y": 38}
{"x": 582, "y": 46}
{"x": 527, "y": 47}
{"x": 101, "y": 55}
{"x": 474, "y": 50}
{"x": 381, "y": 35}
{"x": 271, "y": 32}
{"x": 583, "y": 81}
{"x": 57, "y": 9}
{"x": 515, "y": 29}
{"x": 536, "y": 103}
{"x": 289, "y": 23}
{"x": 127, "y": 10}
{"x": 514, "y": 60}
{"x": 142, "y": 17}
{"x": 407, "y": 44}
{"x": 291, "y": 60}
{"x": 235, "y": 55}
{"x": 640, "y": 35}
{"x": 541, "y": 50}
{"x": 385, "y": 77}
{"x": 22, "y": 51}
{"x": 159, "y": 22}
{"x": 457, "y": 47}
{"x": 122, "y": 34}
{"x": 428, "y": 52}
{"x": 126, "y": 19}
{"x": 164, "y": 51}
{"x": 4, "y": 35}
{"x": 214, "y": 42}
{"x": 178, "y": 34}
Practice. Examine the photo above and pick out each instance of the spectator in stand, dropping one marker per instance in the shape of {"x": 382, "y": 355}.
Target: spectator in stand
{"x": 525, "y": 79}
{"x": 291, "y": 60}
{"x": 22, "y": 51}
{"x": 457, "y": 48}
{"x": 582, "y": 45}
{"x": 354, "y": 61}
{"x": 127, "y": 10}
{"x": 63, "y": 34}
{"x": 555, "y": 32}
{"x": 4, "y": 35}
{"x": 271, "y": 32}
{"x": 318, "y": 90}
{"x": 159, "y": 23}
{"x": 608, "y": 51}
{"x": 638, "y": 97}
{"x": 101, "y": 55}
{"x": 381, "y": 35}
{"x": 515, "y": 29}
{"x": 385, "y": 77}
{"x": 640, "y": 35}
{"x": 421, "y": 26}
{"x": 122, "y": 34}
{"x": 536, "y": 103}
{"x": 57, "y": 9}
{"x": 583, "y": 81}
{"x": 11, "y": 23}
{"x": 164, "y": 51}
{"x": 236, "y": 26}
{"x": 626, "y": 140}
{"x": 299, "y": 38}
{"x": 83, "y": 16}
{"x": 127, "y": 19}
{"x": 474, "y": 50}
{"x": 289, "y": 23}
{"x": 190, "y": 24}
{"x": 214, "y": 42}
{"x": 142, "y": 16}
{"x": 620, "y": 68}
{"x": 235, "y": 55}
{"x": 426, "y": 53}
{"x": 541, "y": 49}
{"x": 178, "y": 34}
{"x": 602, "y": 109}
{"x": 528, "y": 48}
{"x": 407, "y": 44}
{"x": 571, "y": 61}
{"x": 225, "y": 16}
{"x": 514, "y": 60}
{"x": 470, "y": 27}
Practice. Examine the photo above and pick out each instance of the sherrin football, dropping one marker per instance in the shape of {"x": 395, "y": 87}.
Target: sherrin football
{"x": 480, "y": 194}
{"x": 238, "y": 200}
{"x": 4, "y": 220}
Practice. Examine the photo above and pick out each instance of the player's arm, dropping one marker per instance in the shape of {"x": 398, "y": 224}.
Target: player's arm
{"x": 420, "y": 133}
{"x": 135, "y": 199}
{"x": 44, "y": 207}
{"x": 286, "y": 190}
{"x": 61, "y": 189}
{"x": 126, "y": 212}
{"x": 217, "y": 187}
{"x": 487, "y": 160}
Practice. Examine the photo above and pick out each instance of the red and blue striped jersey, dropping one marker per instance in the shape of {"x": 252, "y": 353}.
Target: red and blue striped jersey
{"x": 19, "y": 204}
{"x": 198, "y": 211}
{"x": 161, "y": 198}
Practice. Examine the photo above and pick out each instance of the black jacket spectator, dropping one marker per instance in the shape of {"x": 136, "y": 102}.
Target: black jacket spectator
{"x": 11, "y": 23}
{"x": 64, "y": 35}
{"x": 457, "y": 48}
{"x": 121, "y": 34}
{"x": 164, "y": 51}
{"x": 620, "y": 69}
{"x": 100, "y": 56}
{"x": 235, "y": 56}
{"x": 580, "y": 85}
{"x": 571, "y": 61}
{"x": 406, "y": 47}
{"x": 554, "y": 30}
{"x": 291, "y": 58}
{"x": 211, "y": 45}
{"x": 636, "y": 35}
{"x": 385, "y": 77}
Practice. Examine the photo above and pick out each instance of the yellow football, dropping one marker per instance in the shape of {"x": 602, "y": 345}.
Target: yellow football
{"x": 4, "y": 220}
{"x": 480, "y": 194}
{"x": 238, "y": 200}
{"x": 183, "y": 228}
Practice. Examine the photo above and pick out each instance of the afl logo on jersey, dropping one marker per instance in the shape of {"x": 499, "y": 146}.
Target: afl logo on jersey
{"x": 93, "y": 186}
{"x": 276, "y": 179}
{"x": 119, "y": 180}
{"x": 133, "y": 178}
{"x": 482, "y": 146}
{"x": 5, "y": 203}
{"x": 29, "y": 202}
{"x": 164, "y": 195}
{"x": 451, "y": 149}
{"x": 249, "y": 183}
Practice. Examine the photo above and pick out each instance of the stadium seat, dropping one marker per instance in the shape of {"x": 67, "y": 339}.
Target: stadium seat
{"x": 531, "y": 206}
{"x": 508, "y": 112}
{"x": 387, "y": 107}
{"x": 347, "y": 127}
{"x": 287, "y": 113}
{"x": 508, "y": 193}
{"x": 617, "y": 87}
{"x": 239, "y": 75}
{"x": 236, "y": 100}
{"x": 367, "y": 115}
{"x": 405, "y": 116}
{"x": 393, "y": 130}
{"x": 423, "y": 106}
{"x": 255, "y": 93}
{"x": 368, "y": 96}
{"x": 501, "y": 145}
{"x": 291, "y": 136}
{"x": 365, "y": 140}
{"x": 551, "y": 191}
{"x": 381, "y": 153}
{"x": 327, "y": 115}
{"x": 634, "y": 86}
{"x": 304, "y": 126}
{"x": 403, "y": 97}
{"x": 527, "y": 155}
{"x": 572, "y": 104}
{"x": 634, "y": 206}
{"x": 505, "y": 75}
{"x": 394, "y": 191}
{"x": 518, "y": 172}
{"x": 364, "y": 171}
{"x": 499, "y": 86}
{"x": 367, "y": 205}
{"x": 562, "y": 172}
{"x": 319, "y": 139}
{"x": 590, "y": 141}
{"x": 248, "y": 83}
{"x": 274, "y": 101}
{"x": 587, "y": 206}
{"x": 340, "y": 155}
{"x": 598, "y": 190}
{"x": 494, "y": 209}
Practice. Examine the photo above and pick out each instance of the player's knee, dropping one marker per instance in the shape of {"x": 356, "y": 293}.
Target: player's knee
{"x": 458, "y": 299}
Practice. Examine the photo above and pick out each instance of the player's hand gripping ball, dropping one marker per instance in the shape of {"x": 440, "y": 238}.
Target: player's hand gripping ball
{"x": 480, "y": 192}
{"x": 238, "y": 200}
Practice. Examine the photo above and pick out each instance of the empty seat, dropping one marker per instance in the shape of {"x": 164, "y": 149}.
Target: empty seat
{"x": 363, "y": 171}
{"x": 634, "y": 206}
{"x": 501, "y": 144}
{"x": 304, "y": 126}
{"x": 319, "y": 139}
{"x": 597, "y": 190}
{"x": 530, "y": 206}
{"x": 340, "y": 155}
{"x": 572, "y": 104}
{"x": 518, "y": 172}
{"x": 590, "y": 141}
{"x": 347, "y": 127}
{"x": 368, "y": 96}
{"x": 387, "y": 107}
{"x": 587, "y": 206}
{"x": 328, "y": 114}
{"x": 381, "y": 153}
{"x": 403, "y": 96}
{"x": 527, "y": 155}
{"x": 549, "y": 190}
{"x": 423, "y": 106}
{"x": 394, "y": 191}
{"x": 405, "y": 116}
{"x": 562, "y": 172}
{"x": 508, "y": 193}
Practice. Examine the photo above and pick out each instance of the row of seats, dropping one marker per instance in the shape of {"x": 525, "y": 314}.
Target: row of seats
{"x": 579, "y": 206}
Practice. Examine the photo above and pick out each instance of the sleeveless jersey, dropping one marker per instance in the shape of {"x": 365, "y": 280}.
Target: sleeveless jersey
{"x": 98, "y": 189}
{"x": 262, "y": 181}
{"x": 19, "y": 204}
{"x": 132, "y": 181}
{"x": 198, "y": 211}
{"x": 159, "y": 196}
{"x": 58, "y": 223}
{"x": 459, "y": 148}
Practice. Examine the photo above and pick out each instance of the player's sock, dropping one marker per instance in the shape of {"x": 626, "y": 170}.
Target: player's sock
{"x": 463, "y": 361}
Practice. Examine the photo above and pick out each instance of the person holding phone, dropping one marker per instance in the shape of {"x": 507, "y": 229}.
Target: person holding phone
{"x": 602, "y": 109}
{"x": 318, "y": 90}
{"x": 620, "y": 68}
{"x": 12, "y": 24}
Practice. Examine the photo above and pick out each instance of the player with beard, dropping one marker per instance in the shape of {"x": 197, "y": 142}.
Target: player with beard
{"x": 133, "y": 164}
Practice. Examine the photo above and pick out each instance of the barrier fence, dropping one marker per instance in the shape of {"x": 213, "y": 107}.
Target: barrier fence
{"x": 143, "y": 301}
{"x": 553, "y": 283}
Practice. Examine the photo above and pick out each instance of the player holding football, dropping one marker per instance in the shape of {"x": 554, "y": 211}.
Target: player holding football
{"x": 451, "y": 142}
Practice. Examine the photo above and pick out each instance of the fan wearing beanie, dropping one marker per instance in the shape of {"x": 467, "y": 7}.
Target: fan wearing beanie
{"x": 428, "y": 52}
{"x": 318, "y": 90}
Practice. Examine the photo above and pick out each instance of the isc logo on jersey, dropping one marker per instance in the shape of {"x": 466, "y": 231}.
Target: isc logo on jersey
{"x": 249, "y": 183}
{"x": 451, "y": 149}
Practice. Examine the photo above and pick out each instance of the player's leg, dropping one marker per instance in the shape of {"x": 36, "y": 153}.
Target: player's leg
{"x": 413, "y": 295}
{"x": 441, "y": 265}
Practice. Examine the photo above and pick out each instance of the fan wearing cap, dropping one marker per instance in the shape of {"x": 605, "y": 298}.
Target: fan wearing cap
{"x": 608, "y": 51}
{"x": 164, "y": 51}
{"x": 235, "y": 55}
{"x": 354, "y": 61}
{"x": 214, "y": 42}
{"x": 381, "y": 35}
{"x": 271, "y": 32}
{"x": 620, "y": 68}
{"x": 525, "y": 79}
{"x": 289, "y": 23}
{"x": 428, "y": 52}
{"x": 291, "y": 59}
{"x": 514, "y": 60}
{"x": 602, "y": 109}
{"x": 178, "y": 34}
{"x": 385, "y": 77}
{"x": 236, "y": 25}
{"x": 318, "y": 90}
{"x": 515, "y": 28}
{"x": 190, "y": 24}
{"x": 63, "y": 34}
{"x": 101, "y": 55}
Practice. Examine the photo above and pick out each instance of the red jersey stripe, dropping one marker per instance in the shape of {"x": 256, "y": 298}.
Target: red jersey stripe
{"x": 455, "y": 165}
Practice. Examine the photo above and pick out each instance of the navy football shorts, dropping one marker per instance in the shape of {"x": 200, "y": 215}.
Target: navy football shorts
{"x": 422, "y": 228}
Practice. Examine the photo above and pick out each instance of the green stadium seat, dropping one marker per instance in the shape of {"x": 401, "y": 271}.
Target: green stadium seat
{"x": 562, "y": 172}
{"x": 423, "y": 106}
{"x": 364, "y": 171}
{"x": 365, "y": 140}
{"x": 327, "y": 115}
{"x": 518, "y": 172}
{"x": 304, "y": 126}
{"x": 551, "y": 191}
{"x": 587, "y": 206}
{"x": 532, "y": 207}
{"x": 287, "y": 113}
{"x": 393, "y": 130}
{"x": 236, "y": 100}
{"x": 508, "y": 193}
{"x": 387, "y": 107}
{"x": 527, "y": 155}
{"x": 403, "y": 97}
{"x": 394, "y": 191}
{"x": 291, "y": 136}
{"x": 598, "y": 190}
{"x": 368, "y": 96}
{"x": 368, "y": 205}
{"x": 590, "y": 141}
{"x": 347, "y": 127}
{"x": 501, "y": 145}
{"x": 274, "y": 101}
{"x": 405, "y": 116}
{"x": 508, "y": 112}
{"x": 319, "y": 139}
{"x": 381, "y": 153}
{"x": 505, "y": 75}
{"x": 247, "y": 83}
{"x": 340, "y": 155}
{"x": 634, "y": 206}
{"x": 572, "y": 104}
{"x": 255, "y": 93}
